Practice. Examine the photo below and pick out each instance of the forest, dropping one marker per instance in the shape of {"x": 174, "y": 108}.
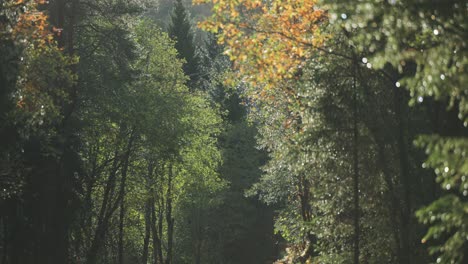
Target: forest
{"x": 233, "y": 131}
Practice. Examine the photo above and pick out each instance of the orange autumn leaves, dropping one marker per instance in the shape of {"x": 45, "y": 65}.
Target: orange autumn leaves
{"x": 43, "y": 71}
{"x": 30, "y": 25}
{"x": 267, "y": 40}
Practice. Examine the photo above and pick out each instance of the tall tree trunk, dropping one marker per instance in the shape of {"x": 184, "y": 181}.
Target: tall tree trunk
{"x": 160, "y": 231}
{"x": 377, "y": 127}
{"x": 100, "y": 232}
{"x": 306, "y": 214}
{"x": 122, "y": 203}
{"x": 148, "y": 209}
{"x": 169, "y": 218}
{"x": 199, "y": 244}
{"x": 156, "y": 228}
{"x": 146, "y": 240}
{"x": 58, "y": 17}
{"x": 55, "y": 190}
{"x": 394, "y": 200}
{"x": 355, "y": 170}
{"x": 155, "y": 234}
{"x": 400, "y": 106}
{"x": 107, "y": 208}
{"x": 198, "y": 226}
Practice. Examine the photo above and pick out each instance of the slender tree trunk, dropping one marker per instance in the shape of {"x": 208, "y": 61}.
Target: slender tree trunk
{"x": 51, "y": 245}
{"x": 144, "y": 259}
{"x": 71, "y": 27}
{"x": 157, "y": 221}
{"x": 59, "y": 19}
{"x": 122, "y": 204}
{"x": 169, "y": 218}
{"x": 70, "y": 107}
{"x": 399, "y": 103}
{"x": 100, "y": 232}
{"x": 306, "y": 214}
{"x": 148, "y": 210}
{"x": 356, "y": 171}
{"x": 199, "y": 242}
{"x": 198, "y": 231}
{"x": 107, "y": 209}
{"x": 377, "y": 127}
{"x": 160, "y": 231}
{"x": 156, "y": 232}
{"x": 121, "y": 232}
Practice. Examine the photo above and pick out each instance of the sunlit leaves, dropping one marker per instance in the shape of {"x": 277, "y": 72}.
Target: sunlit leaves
{"x": 268, "y": 41}
{"x": 25, "y": 24}
{"x": 44, "y": 74}
{"x": 447, "y": 216}
{"x": 425, "y": 42}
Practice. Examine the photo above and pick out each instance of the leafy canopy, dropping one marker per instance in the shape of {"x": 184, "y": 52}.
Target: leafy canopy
{"x": 268, "y": 40}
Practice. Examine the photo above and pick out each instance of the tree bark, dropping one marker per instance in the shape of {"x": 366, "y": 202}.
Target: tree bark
{"x": 169, "y": 218}
{"x": 160, "y": 231}
{"x": 399, "y": 104}
{"x": 148, "y": 210}
{"x": 355, "y": 170}
{"x": 377, "y": 127}
{"x": 107, "y": 208}
{"x": 100, "y": 232}
{"x": 144, "y": 258}
{"x": 156, "y": 231}
{"x": 122, "y": 202}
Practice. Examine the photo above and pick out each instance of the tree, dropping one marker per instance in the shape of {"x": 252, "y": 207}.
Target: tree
{"x": 423, "y": 44}
{"x": 36, "y": 80}
{"x": 284, "y": 101}
{"x": 180, "y": 30}
{"x": 268, "y": 41}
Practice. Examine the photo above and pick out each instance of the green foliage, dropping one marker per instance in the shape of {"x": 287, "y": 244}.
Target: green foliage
{"x": 35, "y": 80}
{"x": 180, "y": 30}
{"x": 173, "y": 158}
{"x": 424, "y": 43}
{"x": 121, "y": 143}
{"x": 448, "y": 215}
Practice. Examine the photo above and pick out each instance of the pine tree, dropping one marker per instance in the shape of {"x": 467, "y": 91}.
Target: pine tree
{"x": 181, "y": 31}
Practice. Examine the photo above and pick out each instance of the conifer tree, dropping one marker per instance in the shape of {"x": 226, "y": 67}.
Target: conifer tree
{"x": 180, "y": 30}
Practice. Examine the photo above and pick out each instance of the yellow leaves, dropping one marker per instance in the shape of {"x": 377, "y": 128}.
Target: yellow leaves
{"x": 269, "y": 41}
{"x": 253, "y": 4}
{"x": 234, "y": 14}
{"x": 208, "y": 26}
{"x": 31, "y": 25}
